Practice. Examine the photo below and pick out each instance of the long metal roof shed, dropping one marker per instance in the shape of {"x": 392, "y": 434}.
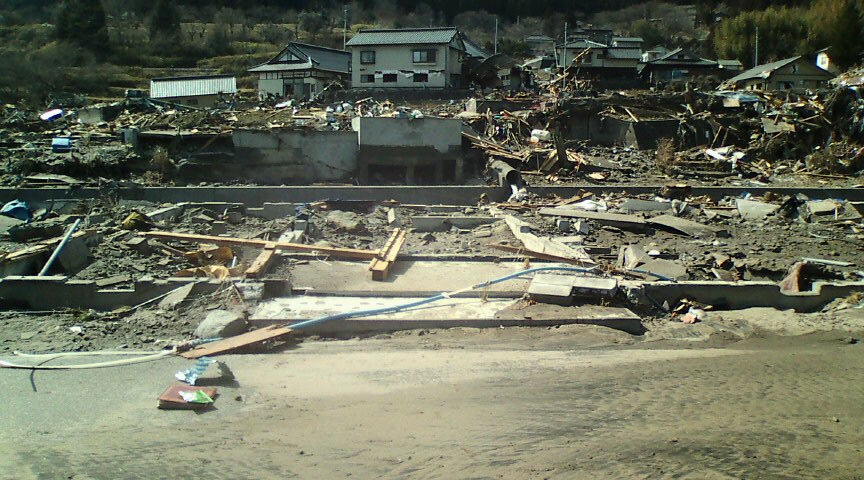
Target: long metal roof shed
{"x": 174, "y": 87}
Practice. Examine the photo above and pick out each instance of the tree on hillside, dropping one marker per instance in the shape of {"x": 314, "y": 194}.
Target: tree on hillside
{"x": 782, "y": 34}
{"x": 837, "y": 24}
{"x": 83, "y": 22}
{"x": 312, "y": 22}
{"x": 164, "y": 21}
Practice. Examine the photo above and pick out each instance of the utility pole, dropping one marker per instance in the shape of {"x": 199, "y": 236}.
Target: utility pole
{"x": 496, "y": 35}
{"x": 756, "y": 55}
{"x": 564, "y": 61}
{"x": 564, "y": 55}
{"x": 344, "y": 26}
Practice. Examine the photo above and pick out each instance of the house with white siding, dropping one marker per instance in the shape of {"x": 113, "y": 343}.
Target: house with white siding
{"x": 301, "y": 71}
{"x": 409, "y": 58}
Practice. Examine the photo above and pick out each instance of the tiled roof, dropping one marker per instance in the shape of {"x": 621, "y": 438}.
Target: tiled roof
{"x": 321, "y": 58}
{"x": 408, "y": 36}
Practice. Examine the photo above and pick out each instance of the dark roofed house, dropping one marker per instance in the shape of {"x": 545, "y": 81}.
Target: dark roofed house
{"x": 301, "y": 70}
{"x": 678, "y": 65}
{"x": 608, "y": 66}
{"x": 410, "y": 58}
{"x": 193, "y": 91}
{"x": 791, "y": 73}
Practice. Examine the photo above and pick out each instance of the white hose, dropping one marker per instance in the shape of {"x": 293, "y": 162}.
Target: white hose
{"x": 112, "y": 363}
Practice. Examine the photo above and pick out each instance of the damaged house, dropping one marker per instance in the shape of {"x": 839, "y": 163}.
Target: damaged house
{"x": 607, "y": 65}
{"x": 301, "y": 71}
{"x": 791, "y": 73}
{"x": 193, "y": 91}
{"x": 409, "y": 58}
{"x": 679, "y": 65}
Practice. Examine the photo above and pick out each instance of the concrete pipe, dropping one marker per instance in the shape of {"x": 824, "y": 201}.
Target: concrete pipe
{"x": 507, "y": 175}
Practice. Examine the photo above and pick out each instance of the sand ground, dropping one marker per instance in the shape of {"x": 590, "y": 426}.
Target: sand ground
{"x": 738, "y": 399}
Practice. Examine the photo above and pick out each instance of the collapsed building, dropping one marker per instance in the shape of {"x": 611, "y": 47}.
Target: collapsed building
{"x": 342, "y": 217}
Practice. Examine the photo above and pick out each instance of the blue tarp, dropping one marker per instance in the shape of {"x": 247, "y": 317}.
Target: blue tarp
{"x": 16, "y": 209}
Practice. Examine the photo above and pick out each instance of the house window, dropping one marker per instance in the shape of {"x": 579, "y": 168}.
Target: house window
{"x": 367, "y": 57}
{"x": 424, "y": 56}
{"x": 421, "y": 77}
{"x": 389, "y": 78}
{"x": 367, "y": 78}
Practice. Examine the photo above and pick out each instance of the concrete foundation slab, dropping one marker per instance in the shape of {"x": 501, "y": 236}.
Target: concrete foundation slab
{"x": 454, "y": 312}
{"x": 407, "y": 277}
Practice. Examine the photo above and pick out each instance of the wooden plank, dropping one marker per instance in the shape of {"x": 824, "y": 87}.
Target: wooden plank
{"x": 254, "y": 242}
{"x": 539, "y": 255}
{"x": 43, "y": 246}
{"x": 263, "y": 262}
{"x": 380, "y": 266}
{"x": 227, "y": 345}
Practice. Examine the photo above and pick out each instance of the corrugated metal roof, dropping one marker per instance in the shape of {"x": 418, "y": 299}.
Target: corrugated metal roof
{"x": 762, "y": 71}
{"x": 192, "y": 86}
{"x": 407, "y": 36}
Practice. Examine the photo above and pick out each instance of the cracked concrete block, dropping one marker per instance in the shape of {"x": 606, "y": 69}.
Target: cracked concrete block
{"x": 221, "y": 324}
{"x": 272, "y": 211}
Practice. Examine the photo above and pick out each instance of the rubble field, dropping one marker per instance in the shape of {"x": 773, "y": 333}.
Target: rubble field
{"x": 636, "y": 245}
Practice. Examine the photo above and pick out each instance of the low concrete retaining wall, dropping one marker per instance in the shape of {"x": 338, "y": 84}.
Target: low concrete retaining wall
{"x": 430, "y": 195}
{"x": 739, "y": 295}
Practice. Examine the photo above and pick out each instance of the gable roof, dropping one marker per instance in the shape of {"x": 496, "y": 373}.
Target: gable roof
{"x": 582, "y": 43}
{"x": 404, "y": 36}
{"x": 624, "y": 53}
{"x": 679, "y": 56}
{"x": 171, "y": 87}
{"x": 308, "y": 56}
{"x": 764, "y": 70}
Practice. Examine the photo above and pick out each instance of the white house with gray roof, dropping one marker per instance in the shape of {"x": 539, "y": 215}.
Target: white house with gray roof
{"x": 409, "y": 58}
{"x": 301, "y": 70}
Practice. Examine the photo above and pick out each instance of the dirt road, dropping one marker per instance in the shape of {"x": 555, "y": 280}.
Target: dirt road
{"x": 572, "y": 402}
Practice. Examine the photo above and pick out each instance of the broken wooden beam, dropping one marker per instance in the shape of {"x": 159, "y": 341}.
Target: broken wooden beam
{"x": 380, "y": 266}
{"x": 263, "y": 262}
{"x": 228, "y": 345}
{"x": 254, "y": 242}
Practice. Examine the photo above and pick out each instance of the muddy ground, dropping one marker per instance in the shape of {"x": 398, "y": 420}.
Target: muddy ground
{"x": 740, "y": 398}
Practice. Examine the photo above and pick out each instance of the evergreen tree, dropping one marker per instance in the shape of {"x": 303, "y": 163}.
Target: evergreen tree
{"x": 83, "y": 22}
{"x": 164, "y": 22}
{"x": 837, "y": 24}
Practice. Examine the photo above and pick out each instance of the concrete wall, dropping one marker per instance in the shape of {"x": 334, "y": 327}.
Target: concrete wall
{"x": 399, "y": 59}
{"x": 406, "y": 145}
{"x": 204, "y": 101}
{"x": 610, "y": 131}
{"x": 294, "y": 156}
{"x": 443, "y": 134}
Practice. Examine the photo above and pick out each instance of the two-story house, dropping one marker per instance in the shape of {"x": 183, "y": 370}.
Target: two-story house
{"x": 301, "y": 70}
{"x": 407, "y": 58}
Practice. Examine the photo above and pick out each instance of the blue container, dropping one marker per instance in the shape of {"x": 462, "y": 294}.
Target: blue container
{"x": 60, "y": 145}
